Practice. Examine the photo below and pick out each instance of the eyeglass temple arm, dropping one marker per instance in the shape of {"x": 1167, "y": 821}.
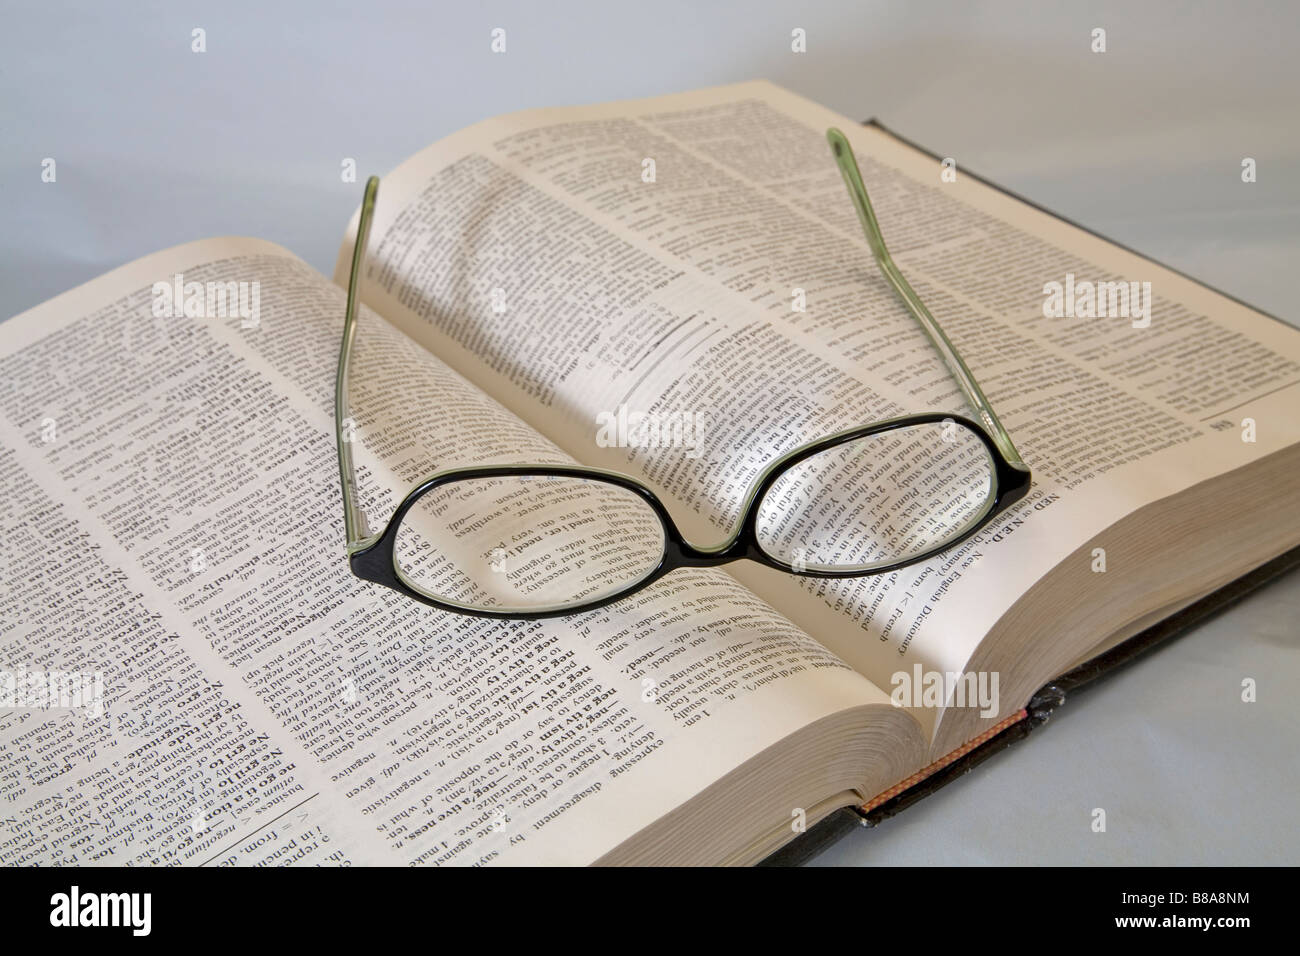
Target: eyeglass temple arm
{"x": 853, "y": 179}
{"x": 354, "y": 519}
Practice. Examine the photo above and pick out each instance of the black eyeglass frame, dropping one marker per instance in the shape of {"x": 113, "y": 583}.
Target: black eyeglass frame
{"x": 376, "y": 561}
{"x": 372, "y": 557}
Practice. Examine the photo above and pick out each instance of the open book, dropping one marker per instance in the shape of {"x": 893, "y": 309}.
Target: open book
{"x": 174, "y": 531}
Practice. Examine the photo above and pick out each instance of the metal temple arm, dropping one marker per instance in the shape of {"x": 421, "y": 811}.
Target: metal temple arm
{"x": 354, "y": 519}
{"x": 853, "y": 179}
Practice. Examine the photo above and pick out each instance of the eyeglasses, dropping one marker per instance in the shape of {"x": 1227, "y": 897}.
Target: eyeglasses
{"x": 537, "y": 541}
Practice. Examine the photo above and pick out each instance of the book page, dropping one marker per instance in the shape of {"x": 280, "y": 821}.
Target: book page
{"x": 695, "y": 261}
{"x": 230, "y": 694}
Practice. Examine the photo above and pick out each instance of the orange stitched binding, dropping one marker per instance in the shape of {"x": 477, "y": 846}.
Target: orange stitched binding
{"x": 942, "y": 762}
